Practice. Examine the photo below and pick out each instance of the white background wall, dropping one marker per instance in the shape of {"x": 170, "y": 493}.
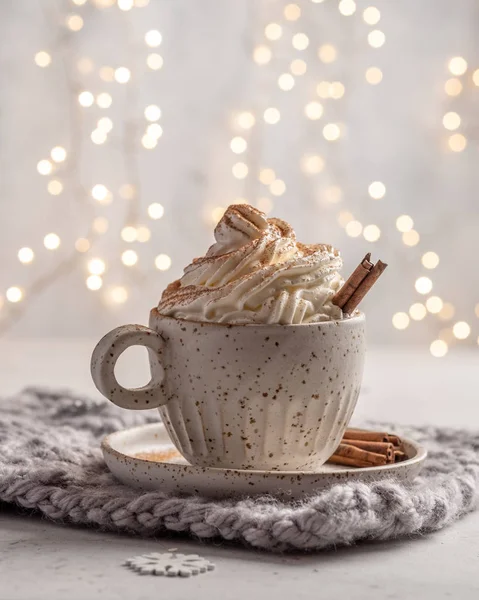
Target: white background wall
{"x": 391, "y": 132}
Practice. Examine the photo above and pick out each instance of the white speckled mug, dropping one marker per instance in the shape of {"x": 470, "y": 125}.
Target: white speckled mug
{"x": 243, "y": 396}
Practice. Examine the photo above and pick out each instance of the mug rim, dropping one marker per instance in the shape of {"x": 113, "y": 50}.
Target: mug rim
{"x": 357, "y": 317}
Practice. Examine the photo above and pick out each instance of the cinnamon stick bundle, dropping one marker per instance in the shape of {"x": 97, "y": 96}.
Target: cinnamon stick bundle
{"x": 352, "y": 283}
{"x": 361, "y": 448}
{"x": 358, "y": 284}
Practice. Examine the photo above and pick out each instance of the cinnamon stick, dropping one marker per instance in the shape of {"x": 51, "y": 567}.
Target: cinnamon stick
{"x": 399, "y": 456}
{"x": 352, "y": 283}
{"x": 395, "y": 440}
{"x": 384, "y": 448}
{"x": 366, "y": 436}
{"x": 365, "y": 285}
{"x": 350, "y": 455}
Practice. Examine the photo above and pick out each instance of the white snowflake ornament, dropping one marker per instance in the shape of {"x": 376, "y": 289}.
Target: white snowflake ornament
{"x": 170, "y": 564}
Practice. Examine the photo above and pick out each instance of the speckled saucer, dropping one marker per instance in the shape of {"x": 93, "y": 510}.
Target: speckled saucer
{"x": 125, "y": 452}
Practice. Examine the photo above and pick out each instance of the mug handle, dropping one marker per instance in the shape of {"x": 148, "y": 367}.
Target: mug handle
{"x": 104, "y": 358}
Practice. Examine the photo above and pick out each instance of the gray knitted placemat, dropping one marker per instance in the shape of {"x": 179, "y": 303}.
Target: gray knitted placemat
{"x": 50, "y": 461}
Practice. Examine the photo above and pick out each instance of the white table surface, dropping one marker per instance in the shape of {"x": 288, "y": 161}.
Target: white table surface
{"x": 39, "y": 559}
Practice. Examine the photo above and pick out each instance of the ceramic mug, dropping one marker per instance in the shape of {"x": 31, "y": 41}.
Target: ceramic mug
{"x": 243, "y": 396}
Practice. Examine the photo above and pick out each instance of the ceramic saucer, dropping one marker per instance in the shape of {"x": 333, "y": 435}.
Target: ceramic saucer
{"x": 144, "y": 457}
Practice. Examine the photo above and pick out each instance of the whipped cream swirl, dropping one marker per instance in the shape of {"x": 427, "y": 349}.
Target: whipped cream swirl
{"x": 257, "y": 272}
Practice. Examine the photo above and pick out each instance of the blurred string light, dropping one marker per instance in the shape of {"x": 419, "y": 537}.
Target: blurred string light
{"x": 155, "y": 211}
{"x": 104, "y": 100}
{"x": 376, "y": 38}
{"x": 312, "y": 164}
{"x": 430, "y": 260}
{"x": 273, "y": 31}
{"x": 94, "y": 282}
{"x": 461, "y": 330}
{"x": 238, "y": 145}
{"x": 26, "y": 255}
{"x": 327, "y": 53}
{"x": 117, "y": 295}
{"x": 331, "y": 132}
{"x": 457, "y": 65}
{"x": 154, "y": 61}
{"x": 371, "y": 233}
{"x": 298, "y": 67}
{"x": 128, "y": 233}
{"x": 100, "y": 225}
{"x": 246, "y": 120}
{"x": 153, "y": 38}
{"x": 438, "y": 348}
{"x": 262, "y": 55}
{"x": 286, "y": 82}
{"x": 162, "y": 262}
{"x": 292, "y": 12}
{"x": 271, "y": 116}
{"x": 400, "y": 320}
{"x": 267, "y": 176}
{"x": 411, "y": 238}
{"x": 377, "y": 190}
{"x": 265, "y": 204}
{"x": 240, "y": 170}
{"x": 353, "y": 228}
{"x": 122, "y": 75}
{"x": 74, "y": 22}
{"x": 434, "y": 304}
{"x": 43, "y": 59}
{"x": 347, "y": 7}
{"x": 423, "y": 285}
{"x": 300, "y": 41}
{"x": 129, "y": 258}
{"x": 107, "y": 73}
{"x": 14, "y": 294}
{"x": 313, "y": 110}
{"x": 51, "y": 241}
{"x": 453, "y": 87}
{"x": 85, "y": 65}
{"x": 374, "y": 75}
{"x": 417, "y": 311}
{"x": 55, "y": 187}
{"x": 371, "y": 15}
{"x": 44, "y": 167}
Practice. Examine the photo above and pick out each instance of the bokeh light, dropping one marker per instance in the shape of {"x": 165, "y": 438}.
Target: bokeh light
{"x": 404, "y": 223}
{"x": 457, "y": 65}
{"x": 374, "y": 75}
{"x": 163, "y": 262}
{"x": 371, "y": 233}
{"x": 434, "y": 304}
{"x": 417, "y": 311}
{"x": 129, "y": 258}
{"x": 438, "y": 348}
{"x": 461, "y": 330}
{"x": 400, "y": 320}
{"x": 423, "y": 285}
{"x": 155, "y": 211}
{"x": 51, "y": 241}
{"x": 430, "y": 260}
{"x": 26, "y": 255}
{"x": 377, "y": 190}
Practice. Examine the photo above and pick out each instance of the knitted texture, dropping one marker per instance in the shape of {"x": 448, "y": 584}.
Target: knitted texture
{"x": 50, "y": 461}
